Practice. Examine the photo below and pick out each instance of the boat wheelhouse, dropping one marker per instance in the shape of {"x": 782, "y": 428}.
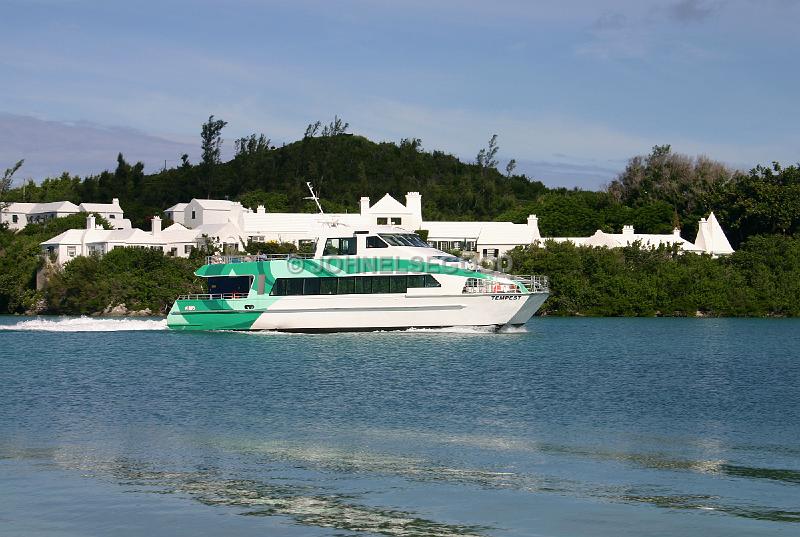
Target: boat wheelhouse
{"x": 380, "y": 278}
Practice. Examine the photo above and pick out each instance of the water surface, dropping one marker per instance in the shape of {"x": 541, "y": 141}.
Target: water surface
{"x": 568, "y": 427}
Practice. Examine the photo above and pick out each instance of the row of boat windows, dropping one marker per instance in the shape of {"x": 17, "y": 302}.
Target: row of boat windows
{"x": 351, "y": 285}
{"x": 347, "y": 245}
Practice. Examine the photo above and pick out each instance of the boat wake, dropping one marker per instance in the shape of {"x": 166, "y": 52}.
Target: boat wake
{"x": 86, "y": 324}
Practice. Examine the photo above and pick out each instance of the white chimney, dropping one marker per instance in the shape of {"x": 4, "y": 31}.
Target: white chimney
{"x": 533, "y": 225}
{"x": 90, "y": 221}
{"x": 115, "y": 201}
{"x": 156, "y": 226}
{"x": 364, "y": 205}
{"x": 261, "y": 209}
{"x": 676, "y": 232}
{"x": 414, "y": 206}
{"x": 627, "y": 230}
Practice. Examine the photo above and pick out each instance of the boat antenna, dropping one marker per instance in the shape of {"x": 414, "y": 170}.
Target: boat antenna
{"x": 314, "y": 197}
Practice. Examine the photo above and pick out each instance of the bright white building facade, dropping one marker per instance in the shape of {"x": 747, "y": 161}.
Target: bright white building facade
{"x": 18, "y": 215}
{"x": 228, "y": 226}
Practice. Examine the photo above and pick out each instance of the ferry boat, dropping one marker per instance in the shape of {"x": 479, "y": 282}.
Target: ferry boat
{"x": 381, "y": 278}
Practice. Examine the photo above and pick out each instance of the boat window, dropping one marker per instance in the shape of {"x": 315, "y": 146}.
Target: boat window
{"x": 416, "y": 281}
{"x": 229, "y": 284}
{"x": 352, "y": 285}
{"x": 327, "y": 286}
{"x": 376, "y": 242}
{"x": 380, "y": 284}
{"x": 404, "y": 239}
{"x": 430, "y": 281}
{"x": 280, "y": 287}
{"x": 294, "y": 286}
{"x": 398, "y": 284}
{"x": 363, "y": 284}
{"x": 311, "y": 286}
{"x": 448, "y": 258}
{"x": 340, "y": 246}
{"x": 347, "y": 286}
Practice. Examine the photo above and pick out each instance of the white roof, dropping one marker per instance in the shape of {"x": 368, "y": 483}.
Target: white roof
{"x": 177, "y": 207}
{"x": 19, "y": 207}
{"x": 453, "y": 230}
{"x": 175, "y": 227}
{"x": 264, "y": 223}
{"x": 56, "y": 206}
{"x": 34, "y": 208}
{"x": 101, "y": 207}
{"x": 618, "y": 240}
{"x": 506, "y": 233}
{"x": 70, "y": 236}
{"x": 215, "y": 205}
{"x": 387, "y": 204}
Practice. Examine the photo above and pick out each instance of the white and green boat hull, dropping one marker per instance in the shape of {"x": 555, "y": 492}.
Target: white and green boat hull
{"x": 344, "y": 294}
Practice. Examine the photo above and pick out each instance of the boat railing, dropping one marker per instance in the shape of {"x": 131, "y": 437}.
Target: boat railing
{"x": 213, "y": 296}
{"x": 535, "y": 283}
{"x": 249, "y": 258}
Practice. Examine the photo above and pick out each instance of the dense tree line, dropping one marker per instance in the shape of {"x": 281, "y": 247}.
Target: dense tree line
{"x": 94, "y": 284}
{"x": 761, "y": 279}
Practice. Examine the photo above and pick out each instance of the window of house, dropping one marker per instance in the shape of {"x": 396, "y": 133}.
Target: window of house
{"x": 71, "y": 251}
{"x": 396, "y": 220}
{"x": 193, "y": 215}
{"x": 470, "y": 246}
{"x": 382, "y": 221}
{"x": 112, "y": 216}
{"x": 14, "y": 218}
{"x": 342, "y": 246}
{"x": 187, "y": 248}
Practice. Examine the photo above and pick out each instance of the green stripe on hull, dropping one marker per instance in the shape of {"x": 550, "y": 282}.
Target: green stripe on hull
{"x": 236, "y": 320}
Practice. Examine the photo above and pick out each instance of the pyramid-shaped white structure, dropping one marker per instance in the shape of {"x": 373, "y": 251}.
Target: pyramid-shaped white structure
{"x": 710, "y": 237}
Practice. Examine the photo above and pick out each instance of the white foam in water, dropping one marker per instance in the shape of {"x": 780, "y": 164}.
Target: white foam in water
{"x": 87, "y": 324}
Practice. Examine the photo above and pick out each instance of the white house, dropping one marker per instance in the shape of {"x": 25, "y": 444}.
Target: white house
{"x": 175, "y": 240}
{"x": 200, "y": 211}
{"x": 18, "y": 215}
{"x": 176, "y": 213}
{"x": 231, "y": 225}
{"x": 389, "y": 211}
{"x": 112, "y": 212}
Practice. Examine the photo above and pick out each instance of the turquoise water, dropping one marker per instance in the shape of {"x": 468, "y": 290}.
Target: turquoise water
{"x": 601, "y": 427}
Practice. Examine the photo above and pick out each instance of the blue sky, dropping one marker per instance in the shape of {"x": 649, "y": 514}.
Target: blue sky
{"x": 573, "y": 88}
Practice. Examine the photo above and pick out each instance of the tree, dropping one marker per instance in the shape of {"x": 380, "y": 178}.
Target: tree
{"x": 486, "y": 156}
{"x": 250, "y": 145}
{"x": 335, "y": 127}
{"x": 312, "y": 129}
{"x": 212, "y": 140}
{"x": 512, "y": 164}
{"x": 5, "y": 182}
{"x": 211, "y": 136}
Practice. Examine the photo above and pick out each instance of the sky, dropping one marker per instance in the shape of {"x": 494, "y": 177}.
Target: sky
{"x": 572, "y": 88}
